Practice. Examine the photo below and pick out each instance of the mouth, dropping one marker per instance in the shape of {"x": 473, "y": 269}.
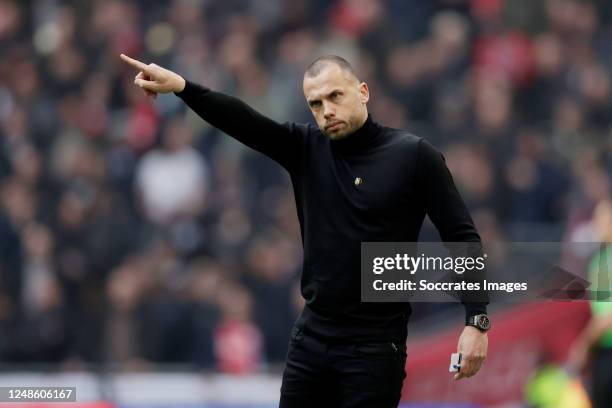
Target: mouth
{"x": 334, "y": 125}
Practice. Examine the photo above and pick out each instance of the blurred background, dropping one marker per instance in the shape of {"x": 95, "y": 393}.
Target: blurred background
{"x": 137, "y": 240}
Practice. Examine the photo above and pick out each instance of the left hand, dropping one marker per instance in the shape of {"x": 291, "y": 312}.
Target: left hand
{"x": 473, "y": 346}
{"x": 579, "y": 354}
{"x": 578, "y": 357}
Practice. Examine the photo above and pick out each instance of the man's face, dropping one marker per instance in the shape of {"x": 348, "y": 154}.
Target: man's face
{"x": 337, "y": 100}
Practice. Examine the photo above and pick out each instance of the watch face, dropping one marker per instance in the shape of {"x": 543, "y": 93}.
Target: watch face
{"x": 483, "y": 322}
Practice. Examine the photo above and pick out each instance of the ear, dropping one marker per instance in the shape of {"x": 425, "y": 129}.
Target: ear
{"x": 364, "y": 93}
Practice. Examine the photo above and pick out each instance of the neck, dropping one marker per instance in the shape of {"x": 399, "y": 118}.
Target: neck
{"x": 366, "y": 136}
{"x": 360, "y": 122}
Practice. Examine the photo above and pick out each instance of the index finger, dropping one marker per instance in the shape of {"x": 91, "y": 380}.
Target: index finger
{"x": 135, "y": 63}
{"x": 467, "y": 368}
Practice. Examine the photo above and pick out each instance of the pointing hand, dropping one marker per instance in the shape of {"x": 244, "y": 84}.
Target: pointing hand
{"x": 154, "y": 79}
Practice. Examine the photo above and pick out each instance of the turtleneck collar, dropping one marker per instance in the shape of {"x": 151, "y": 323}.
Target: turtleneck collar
{"x": 366, "y": 136}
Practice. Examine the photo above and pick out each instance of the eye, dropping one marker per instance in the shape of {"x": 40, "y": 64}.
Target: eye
{"x": 335, "y": 95}
{"x": 315, "y": 104}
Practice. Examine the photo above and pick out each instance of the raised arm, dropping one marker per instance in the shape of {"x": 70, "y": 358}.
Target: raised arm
{"x": 281, "y": 142}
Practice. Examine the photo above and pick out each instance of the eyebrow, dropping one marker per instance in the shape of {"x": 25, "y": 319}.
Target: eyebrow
{"x": 311, "y": 101}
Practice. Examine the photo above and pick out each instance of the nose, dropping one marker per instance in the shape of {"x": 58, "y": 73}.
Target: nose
{"x": 328, "y": 111}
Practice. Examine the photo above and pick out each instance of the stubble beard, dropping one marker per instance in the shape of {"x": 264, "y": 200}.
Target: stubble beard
{"x": 336, "y": 135}
{"x": 344, "y": 131}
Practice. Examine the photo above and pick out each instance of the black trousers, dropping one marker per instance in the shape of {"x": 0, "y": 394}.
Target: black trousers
{"x": 342, "y": 375}
{"x": 601, "y": 378}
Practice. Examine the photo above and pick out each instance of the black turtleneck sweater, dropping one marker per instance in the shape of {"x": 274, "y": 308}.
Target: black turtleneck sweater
{"x": 403, "y": 177}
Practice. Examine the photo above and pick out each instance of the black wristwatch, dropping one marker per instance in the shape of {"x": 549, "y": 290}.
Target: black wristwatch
{"x": 480, "y": 321}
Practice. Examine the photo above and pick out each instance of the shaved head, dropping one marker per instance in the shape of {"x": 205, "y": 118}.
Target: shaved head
{"x": 318, "y": 65}
{"x": 335, "y": 96}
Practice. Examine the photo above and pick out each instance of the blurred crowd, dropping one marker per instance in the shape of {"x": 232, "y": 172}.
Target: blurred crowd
{"x": 133, "y": 232}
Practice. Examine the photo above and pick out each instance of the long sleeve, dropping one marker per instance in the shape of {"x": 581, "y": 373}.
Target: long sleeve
{"x": 446, "y": 209}
{"x": 280, "y": 142}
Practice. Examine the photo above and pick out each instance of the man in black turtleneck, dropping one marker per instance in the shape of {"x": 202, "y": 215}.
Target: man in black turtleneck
{"x": 354, "y": 181}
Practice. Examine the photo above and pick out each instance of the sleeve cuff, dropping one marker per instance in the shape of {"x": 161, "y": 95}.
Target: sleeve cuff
{"x": 191, "y": 89}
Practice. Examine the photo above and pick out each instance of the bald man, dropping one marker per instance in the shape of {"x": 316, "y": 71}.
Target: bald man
{"x": 354, "y": 181}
